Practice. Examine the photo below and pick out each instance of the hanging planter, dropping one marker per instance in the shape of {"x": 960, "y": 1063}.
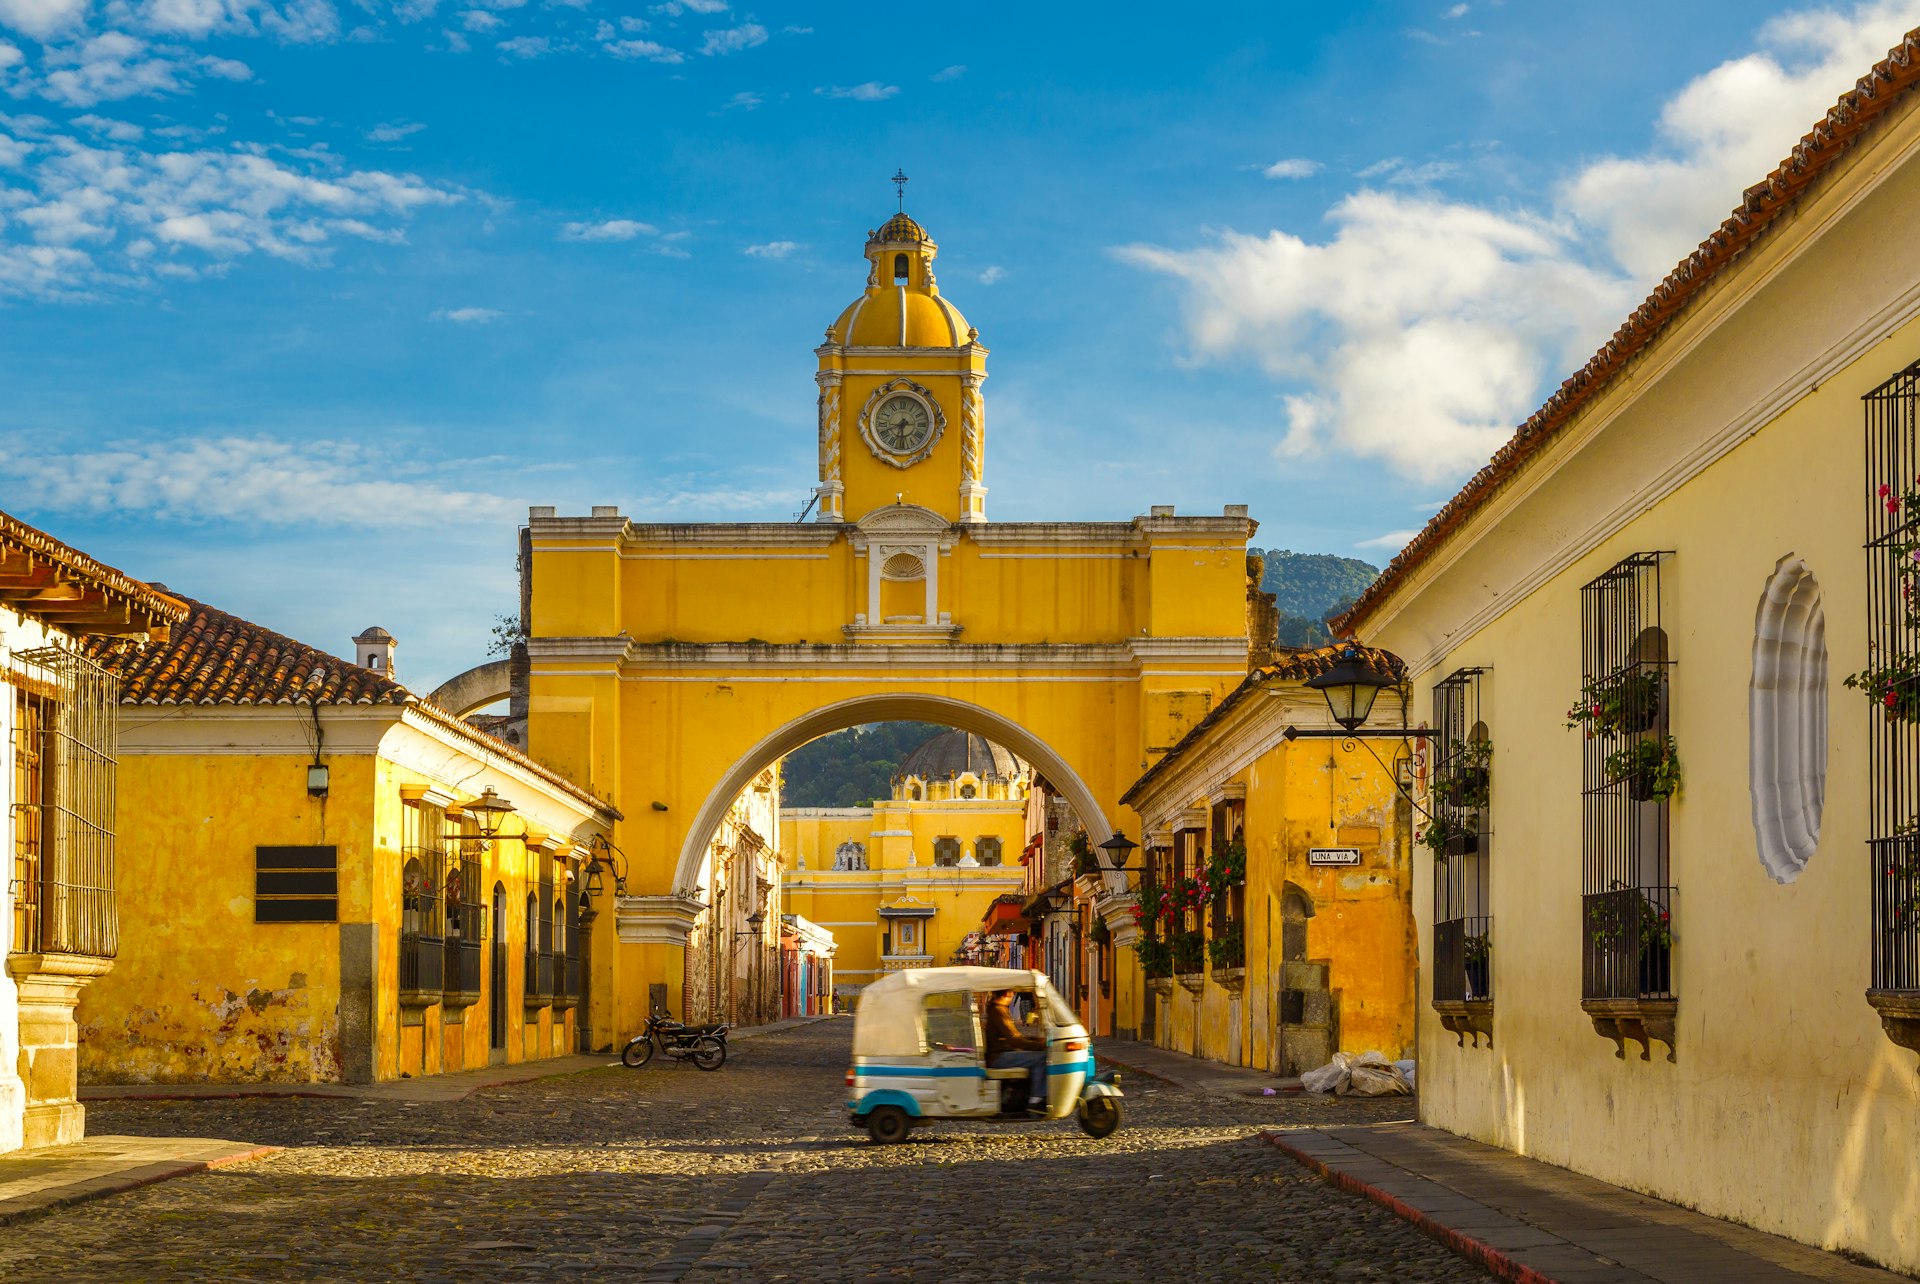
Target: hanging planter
{"x": 1619, "y": 705}
{"x": 1893, "y": 685}
{"x": 1479, "y": 961}
{"x": 1650, "y": 768}
{"x": 1466, "y": 777}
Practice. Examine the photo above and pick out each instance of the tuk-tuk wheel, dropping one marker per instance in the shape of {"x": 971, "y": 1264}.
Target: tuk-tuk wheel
{"x": 888, "y": 1124}
{"x": 1100, "y": 1117}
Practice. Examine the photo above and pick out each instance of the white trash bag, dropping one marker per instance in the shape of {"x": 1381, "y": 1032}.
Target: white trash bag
{"x": 1368, "y": 1075}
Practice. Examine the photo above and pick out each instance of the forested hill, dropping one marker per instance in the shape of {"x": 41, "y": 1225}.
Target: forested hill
{"x": 1308, "y": 587}
{"x": 851, "y": 768}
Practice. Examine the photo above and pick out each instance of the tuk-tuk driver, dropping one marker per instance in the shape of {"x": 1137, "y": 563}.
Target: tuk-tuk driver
{"x": 1007, "y": 1048}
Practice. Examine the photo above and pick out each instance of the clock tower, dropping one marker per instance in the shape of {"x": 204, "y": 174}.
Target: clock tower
{"x": 901, "y": 416}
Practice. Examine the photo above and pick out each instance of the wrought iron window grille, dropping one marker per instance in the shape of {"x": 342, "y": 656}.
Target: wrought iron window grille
{"x": 1627, "y": 888}
{"x": 1891, "y": 680}
{"x": 1459, "y": 836}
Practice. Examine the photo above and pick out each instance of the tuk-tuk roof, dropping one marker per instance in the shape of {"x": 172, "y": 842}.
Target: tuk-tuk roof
{"x": 887, "y": 1021}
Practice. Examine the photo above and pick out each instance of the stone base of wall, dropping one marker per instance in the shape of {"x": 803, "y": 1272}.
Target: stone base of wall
{"x": 49, "y": 988}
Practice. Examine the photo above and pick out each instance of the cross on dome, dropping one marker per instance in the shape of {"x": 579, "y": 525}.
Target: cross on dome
{"x": 899, "y": 181}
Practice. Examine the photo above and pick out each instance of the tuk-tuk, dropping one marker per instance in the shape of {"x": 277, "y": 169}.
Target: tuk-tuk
{"x": 918, "y": 1055}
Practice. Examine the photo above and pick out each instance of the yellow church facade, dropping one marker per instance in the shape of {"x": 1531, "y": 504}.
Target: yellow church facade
{"x": 902, "y": 883}
{"x": 671, "y": 663}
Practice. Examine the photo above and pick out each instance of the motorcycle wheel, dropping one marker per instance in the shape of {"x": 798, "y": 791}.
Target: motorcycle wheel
{"x": 637, "y": 1053}
{"x": 708, "y": 1053}
{"x": 1100, "y": 1118}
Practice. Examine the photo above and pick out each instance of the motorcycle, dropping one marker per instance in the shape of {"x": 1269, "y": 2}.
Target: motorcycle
{"x": 704, "y": 1045}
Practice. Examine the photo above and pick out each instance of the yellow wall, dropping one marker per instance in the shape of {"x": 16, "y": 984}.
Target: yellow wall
{"x": 1298, "y": 795}
{"x": 203, "y": 992}
{"x": 899, "y": 836}
{"x": 1786, "y": 1107}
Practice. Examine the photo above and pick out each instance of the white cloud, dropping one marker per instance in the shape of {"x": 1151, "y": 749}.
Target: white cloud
{"x": 456, "y": 43}
{"x": 648, "y": 50}
{"x": 674, "y": 8}
{"x": 771, "y": 250}
{"x": 1457, "y": 11}
{"x": 615, "y": 229}
{"x": 733, "y": 39}
{"x": 89, "y": 216}
{"x": 120, "y": 131}
{"x": 526, "y": 47}
{"x": 1394, "y": 540}
{"x": 466, "y": 316}
{"x": 950, "y": 73}
{"x": 479, "y": 20}
{"x": 870, "y": 92}
{"x": 992, "y": 275}
{"x": 393, "y": 132}
{"x": 10, "y": 55}
{"x": 1293, "y": 167}
{"x": 1423, "y": 329}
{"x": 745, "y": 100}
{"x": 1727, "y": 129}
{"x": 249, "y": 479}
{"x": 42, "y": 19}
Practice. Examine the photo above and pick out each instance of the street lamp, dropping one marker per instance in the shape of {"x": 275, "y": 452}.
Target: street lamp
{"x": 489, "y": 810}
{"x": 1351, "y": 686}
{"x": 1118, "y": 848}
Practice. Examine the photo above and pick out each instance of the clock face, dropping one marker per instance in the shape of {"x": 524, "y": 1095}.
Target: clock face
{"x": 902, "y": 424}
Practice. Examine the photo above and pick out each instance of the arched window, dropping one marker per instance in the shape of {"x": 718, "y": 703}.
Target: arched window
{"x": 901, "y": 267}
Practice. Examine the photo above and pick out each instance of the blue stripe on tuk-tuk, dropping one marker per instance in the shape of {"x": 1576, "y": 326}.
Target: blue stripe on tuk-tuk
{"x": 1071, "y": 1067}
{"x": 920, "y": 1072}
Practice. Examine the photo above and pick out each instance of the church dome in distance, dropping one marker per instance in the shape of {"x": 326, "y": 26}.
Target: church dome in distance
{"x": 955, "y": 753}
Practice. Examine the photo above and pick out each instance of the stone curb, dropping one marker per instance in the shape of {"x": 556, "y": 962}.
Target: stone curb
{"x": 28, "y": 1207}
{"x": 1479, "y": 1252}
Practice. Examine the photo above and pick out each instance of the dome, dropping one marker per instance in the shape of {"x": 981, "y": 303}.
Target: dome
{"x": 899, "y": 230}
{"x": 902, "y": 307}
{"x": 900, "y": 317}
{"x": 374, "y": 634}
{"x": 955, "y": 753}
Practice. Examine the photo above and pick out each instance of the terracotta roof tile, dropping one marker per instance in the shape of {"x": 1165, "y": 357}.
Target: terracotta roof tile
{"x": 219, "y": 659}
{"x": 1888, "y": 84}
{"x": 119, "y": 594}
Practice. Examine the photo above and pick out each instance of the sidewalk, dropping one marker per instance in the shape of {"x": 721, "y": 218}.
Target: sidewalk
{"x": 1532, "y": 1222}
{"x": 1194, "y": 1074}
{"x": 33, "y": 1182}
{"x": 428, "y": 1088}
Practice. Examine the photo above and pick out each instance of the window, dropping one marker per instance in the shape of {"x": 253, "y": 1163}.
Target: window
{"x": 466, "y": 920}
{"x": 422, "y": 942}
{"x": 1459, "y": 838}
{"x": 296, "y": 885}
{"x": 1891, "y": 679}
{"x": 64, "y": 709}
{"x": 986, "y": 849}
{"x": 946, "y": 850}
{"x": 1626, "y": 881}
{"x": 949, "y": 1022}
{"x": 1227, "y": 880}
{"x": 967, "y": 791}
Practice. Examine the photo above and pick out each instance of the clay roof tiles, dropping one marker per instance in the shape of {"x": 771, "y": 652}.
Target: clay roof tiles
{"x": 1888, "y": 84}
{"x": 219, "y": 659}
{"x": 61, "y": 563}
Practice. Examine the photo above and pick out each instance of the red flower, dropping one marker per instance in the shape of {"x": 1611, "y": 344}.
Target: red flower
{"x": 1888, "y": 700}
{"x": 1893, "y": 505}
{"x": 1885, "y": 490}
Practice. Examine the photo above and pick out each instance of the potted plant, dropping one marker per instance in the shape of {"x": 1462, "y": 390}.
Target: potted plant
{"x": 1467, "y": 776}
{"x": 1609, "y": 923}
{"x": 1893, "y": 684}
{"x": 1100, "y": 932}
{"x": 1620, "y": 704}
{"x": 1156, "y": 957}
{"x": 1650, "y": 768}
{"x": 1228, "y": 948}
{"x": 1084, "y": 860}
{"x": 1479, "y": 952}
{"x": 1189, "y": 952}
{"x": 1228, "y": 866}
{"x": 1444, "y": 838}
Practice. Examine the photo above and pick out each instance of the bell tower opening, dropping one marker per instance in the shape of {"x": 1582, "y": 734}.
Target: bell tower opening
{"x": 901, "y": 267}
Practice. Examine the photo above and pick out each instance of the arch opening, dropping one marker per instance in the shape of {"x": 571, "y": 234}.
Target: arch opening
{"x": 889, "y": 707}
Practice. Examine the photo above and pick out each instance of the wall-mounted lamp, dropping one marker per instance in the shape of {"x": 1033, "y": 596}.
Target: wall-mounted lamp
{"x": 318, "y": 779}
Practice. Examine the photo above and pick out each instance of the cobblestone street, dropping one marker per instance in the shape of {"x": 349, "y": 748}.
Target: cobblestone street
{"x": 751, "y": 1173}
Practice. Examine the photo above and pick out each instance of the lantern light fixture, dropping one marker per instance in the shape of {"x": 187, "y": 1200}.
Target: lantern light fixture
{"x": 1350, "y": 686}
{"x": 489, "y": 811}
{"x": 1118, "y": 848}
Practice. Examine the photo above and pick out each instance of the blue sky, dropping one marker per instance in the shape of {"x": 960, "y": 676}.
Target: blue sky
{"x": 302, "y": 302}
